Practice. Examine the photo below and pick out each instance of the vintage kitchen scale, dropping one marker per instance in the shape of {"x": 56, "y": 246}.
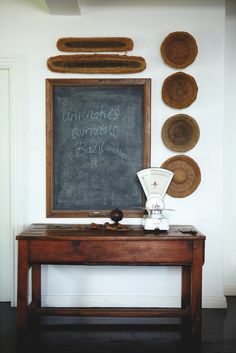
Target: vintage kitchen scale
{"x": 155, "y": 182}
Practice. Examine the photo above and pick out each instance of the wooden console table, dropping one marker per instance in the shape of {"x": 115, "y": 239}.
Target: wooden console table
{"x": 77, "y": 244}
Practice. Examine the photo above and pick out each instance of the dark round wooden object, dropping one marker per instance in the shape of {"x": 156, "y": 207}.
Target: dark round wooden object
{"x": 116, "y": 215}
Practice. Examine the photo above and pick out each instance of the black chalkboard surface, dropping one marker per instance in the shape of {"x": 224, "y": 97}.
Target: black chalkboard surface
{"x": 98, "y": 137}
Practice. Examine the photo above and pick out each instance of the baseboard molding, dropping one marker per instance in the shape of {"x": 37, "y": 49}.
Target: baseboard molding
{"x": 214, "y": 302}
{"x": 230, "y": 289}
{"x": 218, "y": 302}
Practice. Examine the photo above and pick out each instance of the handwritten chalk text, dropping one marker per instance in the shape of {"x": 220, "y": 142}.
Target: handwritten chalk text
{"x": 92, "y": 115}
{"x": 83, "y": 149}
{"x": 102, "y": 130}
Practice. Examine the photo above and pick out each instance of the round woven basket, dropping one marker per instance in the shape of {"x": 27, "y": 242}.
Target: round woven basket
{"x": 187, "y": 175}
{"x": 180, "y": 133}
{"x": 179, "y": 49}
{"x": 179, "y": 90}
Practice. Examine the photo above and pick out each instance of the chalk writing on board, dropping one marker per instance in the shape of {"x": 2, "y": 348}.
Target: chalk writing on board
{"x": 101, "y": 114}
{"x": 83, "y": 148}
{"x": 100, "y": 130}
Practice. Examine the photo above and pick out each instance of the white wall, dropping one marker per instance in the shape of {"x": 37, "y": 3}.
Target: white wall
{"x": 229, "y": 148}
{"x": 26, "y": 27}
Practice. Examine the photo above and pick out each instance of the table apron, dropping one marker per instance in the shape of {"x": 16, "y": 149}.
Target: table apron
{"x": 110, "y": 252}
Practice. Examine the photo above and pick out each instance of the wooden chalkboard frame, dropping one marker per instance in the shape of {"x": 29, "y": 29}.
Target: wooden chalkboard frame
{"x": 145, "y": 150}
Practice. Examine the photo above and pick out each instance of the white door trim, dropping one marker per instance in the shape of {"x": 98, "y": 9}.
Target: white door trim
{"x": 16, "y": 64}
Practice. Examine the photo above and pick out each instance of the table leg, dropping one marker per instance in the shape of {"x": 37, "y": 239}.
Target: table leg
{"x": 22, "y": 289}
{"x": 186, "y": 297}
{"x": 186, "y": 287}
{"x": 36, "y": 284}
{"x": 197, "y": 288}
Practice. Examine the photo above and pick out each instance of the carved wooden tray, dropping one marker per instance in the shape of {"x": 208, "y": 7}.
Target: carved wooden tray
{"x": 187, "y": 175}
{"x": 96, "y": 64}
{"x": 180, "y": 133}
{"x": 179, "y": 49}
{"x": 95, "y": 44}
{"x": 179, "y": 90}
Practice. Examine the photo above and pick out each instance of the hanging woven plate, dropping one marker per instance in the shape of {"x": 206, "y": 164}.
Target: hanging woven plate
{"x": 179, "y": 90}
{"x": 180, "y": 133}
{"x": 179, "y": 49}
{"x": 187, "y": 175}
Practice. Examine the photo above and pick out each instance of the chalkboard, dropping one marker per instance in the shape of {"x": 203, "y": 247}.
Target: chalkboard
{"x": 98, "y": 137}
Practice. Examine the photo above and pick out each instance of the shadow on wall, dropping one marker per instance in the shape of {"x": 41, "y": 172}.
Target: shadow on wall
{"x": 42, "y": 6}
{"x": 146, "y": 3}
{"x": 35, "y": 4}
{"x": 230, "y": 8}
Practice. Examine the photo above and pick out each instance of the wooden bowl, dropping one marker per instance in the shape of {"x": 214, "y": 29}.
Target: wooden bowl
{"x": 179, "y": 49}
{"x": 180, "y": 133}
{"x": 187, "y": 175}
{"x": 179, "y": 90}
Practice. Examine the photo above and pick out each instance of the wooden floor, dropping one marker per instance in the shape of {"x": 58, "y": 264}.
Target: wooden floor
{"x": 62, "y": 335}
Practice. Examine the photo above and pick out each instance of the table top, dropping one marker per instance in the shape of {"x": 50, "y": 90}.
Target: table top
{"x": 49, "y": 231}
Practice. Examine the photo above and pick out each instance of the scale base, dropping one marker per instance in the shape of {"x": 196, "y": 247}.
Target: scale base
{"x": 151, "y": 223}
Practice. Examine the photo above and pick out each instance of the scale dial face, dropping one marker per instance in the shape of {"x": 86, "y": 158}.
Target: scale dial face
{"x": 155, "y": 181}
{"x": 154, "y": 203}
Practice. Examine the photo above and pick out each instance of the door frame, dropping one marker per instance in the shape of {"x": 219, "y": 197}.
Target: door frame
{"x": 16, "y": 64}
